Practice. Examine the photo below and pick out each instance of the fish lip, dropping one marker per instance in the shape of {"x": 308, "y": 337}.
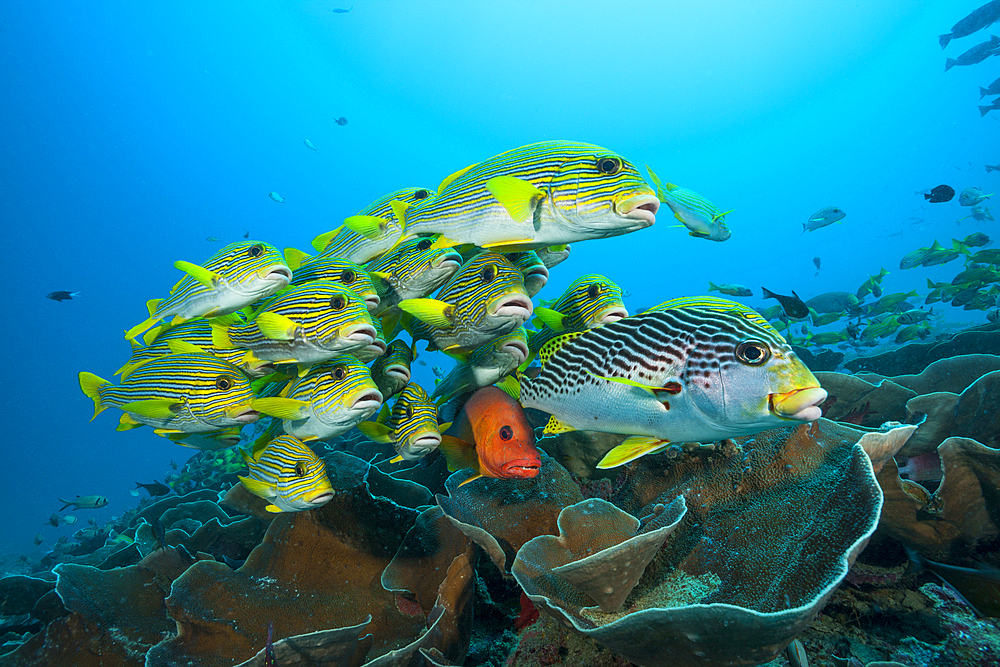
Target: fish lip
{"x": 401, "y": 372}
{"x": 321, "y": 499}
{"x": 371, "y": 399}
{"x": 429, "y": 441}
{"x": 447, "y": 260}
{"x": 362, "y": 333}
{"x": 247, "y": 415}
{"x": 278, "y": 273}
{"x": 800, "y": 404}
{"x": 514, "y": 305}
{"x": 612, "y": 315}
{"x": 639, "y": 207}
{"x": 378, "y": 345}
{"x": 517, "y": 349}
{"x": 372, "y": 301}
{"x": 522, "y": 467}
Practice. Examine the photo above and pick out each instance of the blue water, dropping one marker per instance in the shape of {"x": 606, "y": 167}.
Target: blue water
{"x": 130, "y": 132}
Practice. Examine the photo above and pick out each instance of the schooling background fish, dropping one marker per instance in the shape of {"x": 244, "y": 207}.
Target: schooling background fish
{"x": 940, "y": 194}
{"x": 702, "y": 218}
{"x": 485, "y": 366}
{"x": 730, "y": 289}
{"x": 341, "y": 121}
{"x": 492, "y": 436}
{"x": 155, "y": 489}
{"x": 980, "y": 18}
{"x": 793, "y": 306}
{"x": 276, "y": 197}
{"x": 84, "y": 503}
{"x": 822, "y": 218}
{"x": 391, "y": 371}
{"x": 972, "y": 196}
{"x": 976, "y": 54}
{"x": 62, "y": 296}
{"x": 310, "y": 146}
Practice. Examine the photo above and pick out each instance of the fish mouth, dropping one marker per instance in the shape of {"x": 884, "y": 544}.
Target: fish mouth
{"x": 447, "y": 260}
{"x": 376, "y": 348}
{"x": 537, "y": 272}
{"x": 612, "y": 315}
{"x": 321, "y": 499}
{"x": 427, "y": 442}
{"x": 277, "y": 273}
{"x": 515, "y": 348}
{"x": 399, "y": 372}
{"x": 364, "y": 334}
{"x": 801, "y": 404}
{"x": 244, "y": 414}
{"x": 369, "y": 400}
{"x": 515, "y": 305}
{"x": 639, "y": 207}
{"x": 372, "y": 301}
{"x": 521, "y": 468}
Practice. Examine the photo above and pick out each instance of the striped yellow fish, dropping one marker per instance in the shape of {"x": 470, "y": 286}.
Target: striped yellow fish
{"x": 717, "y": 303}
{"x": 391, "y": 371}
{"x": 678, "y": 375}
{"x": 534, "y": 271}
{"x": 178, "y": 393}
{"x": 307, "y": 324}
{"x": 378, "y": 225}
{"x": 193, "y": 337}
{"x": 374, "y": 349}
{"x": 412, "y": 270}
{"x": 483, "y": 300}
{"x": 332, "y": 398}
{"x": 288, "y": 474}
{"x": 702, "y": 218}
{"x": 231, "y": 279}
{"x": 549, "y": 193}
{"x": 485, "y": 366}
{"x": 411, "y": 425}
{"x": 588, "y": 302}
{"x": 306, "y": 269}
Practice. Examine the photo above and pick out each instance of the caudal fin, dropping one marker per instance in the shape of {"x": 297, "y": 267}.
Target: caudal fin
{"x": 949, "y": 63}
{"x": 766, "y": 293}
{"x": 91, "y": 386}
{"x": 984, "y": 110}
{"x": 944, "y": 39}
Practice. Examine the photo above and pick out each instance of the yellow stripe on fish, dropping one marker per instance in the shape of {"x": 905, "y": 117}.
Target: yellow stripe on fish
{"x": 411, "y": 425}
{"x": 412, "y": 270}
{"x": 484, "y": 299}
{"x": 544, "y": 194}
{"x": 325, "y": 267}
{"x": 231, "y": 279}
{"x": 178, "y": 393}
{"x": 288, "y": 474}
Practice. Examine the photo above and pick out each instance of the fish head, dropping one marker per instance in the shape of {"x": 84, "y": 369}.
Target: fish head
{"x": 533, "y": 271}
{"x": 505, "y": 442}
{"x": 600, "y": 193}
{"x": 340, "y": 390}
{"x": 414, "y": 423}
{"x": 331, "y": 314}
{"x": 553, "y": 255}
{"x": 590, "y": 301}
{"x": 417, "y": 268}
{"x": 299, "y": 475}
{"x": 253, "y": 269}
{"x": 391, "y": 371}
{"x": 490, "y": 287}
{"x": 744, "y": 378}
{"x": 512, "y": 347}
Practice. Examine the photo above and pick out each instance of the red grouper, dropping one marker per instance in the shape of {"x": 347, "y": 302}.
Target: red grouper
{"x": 492, "y": 436}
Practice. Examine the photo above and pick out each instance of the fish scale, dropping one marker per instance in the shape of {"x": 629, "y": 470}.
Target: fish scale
{"x": 696, "y": 389}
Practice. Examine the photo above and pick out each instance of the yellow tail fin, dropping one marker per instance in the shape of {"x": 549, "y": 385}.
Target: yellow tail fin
{"x": 91, "y": 386}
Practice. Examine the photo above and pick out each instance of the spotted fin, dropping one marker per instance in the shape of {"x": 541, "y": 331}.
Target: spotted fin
{"x": 632, "y": 448}
{"x": 555, "y": 345}
{"x": 516, "y": 195}
{"x": 556, "y": 426}
{"x": 206, "y": 277}
{"x": 369, "y": 226}
{"x": 283, "y": 408}
{"x": 323, "y": 240}
{"x": 430, "y": 311}
{"x": 274, "y": 326}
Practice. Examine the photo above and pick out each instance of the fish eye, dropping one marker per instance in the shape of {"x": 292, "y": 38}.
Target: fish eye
{"x": 256, "y": 250}
{"x": 300, "y": 470}
{"x": 425, "y": 244}
{"x": 506, "y": 432}
{"x": 223, "y": 383}
{"x": 752, "y": 352}
{"x": 338, "y": 303}
{"x": 347, "y": 276}
{"x": 409, "y": 412}
{"x": 609, "y": 165}
{"x": 594, "y": 291}
{"x": 339, "y": 373}
{"x": 420, "y": 194}
{"x": 488, "y": 273}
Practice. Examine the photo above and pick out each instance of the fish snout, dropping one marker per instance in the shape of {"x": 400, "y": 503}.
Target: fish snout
{"x": 372, "y": 301}
{"x": 449, "y": 259}
{"x": 370, "y": 399}
{"x": 426, "y": 442}
{"x": 513, "y": 305}
{"x": 521, "y": 468}
{"x": 243, "y": 413}
{"x": 321, "y": 498}
{"x": 801, "y": 404}
{"x": 517, "y": 349}
{"x": 363, "y": 334}
{"x": 639, "y": 207}
{"x": 399, "y": 372}
{"x": 279, "y": 273}
{"x": 612, "y": 315}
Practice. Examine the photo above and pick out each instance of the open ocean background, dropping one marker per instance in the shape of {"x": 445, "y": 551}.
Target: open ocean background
{"x": 130, "y": 132}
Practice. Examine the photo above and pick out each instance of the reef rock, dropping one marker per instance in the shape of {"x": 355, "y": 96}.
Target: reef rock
{"x": 857, "y": 401}
{"x": 913, "y": 358}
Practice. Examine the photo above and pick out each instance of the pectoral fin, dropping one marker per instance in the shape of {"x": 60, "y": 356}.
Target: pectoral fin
{"x": 369, "y": 226}
{"x": 553, "y": 319}
{"x": 516, "y": 195}
{"x": 430, "y": 311}
{"x": 283, "y": 408}
{"x": 459, "y": 454}
{"x": 154, "y": 408}
{"x": 258, "y": 488}
{"x": 376, "y": 432}
{"x": 275, "y": 326}
{"x": 632, "y": 448}
{"x": 206, "y": 277}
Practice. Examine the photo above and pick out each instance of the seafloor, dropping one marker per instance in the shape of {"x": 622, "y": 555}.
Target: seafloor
{"x": 837, "y": 534}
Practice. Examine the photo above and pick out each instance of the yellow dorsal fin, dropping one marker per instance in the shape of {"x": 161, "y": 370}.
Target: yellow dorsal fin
{"x": 184, "y": 347}
{"x": 294, "y": 258}
{"x": 444, "y": 242}
{"x": 451, "y": 178}
{"x": 206, "y": 277}
{"x": 516, "y": 195}
{"x": 152, "y": 304}
{"x": 654, "y": 178}
{"x": 632, "y": 448}
{"x": 323, "y": 240}
{"x": 369, "y": 226}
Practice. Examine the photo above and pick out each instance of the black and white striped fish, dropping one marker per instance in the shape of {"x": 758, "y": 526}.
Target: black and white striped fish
{"x": 680, "y": 375}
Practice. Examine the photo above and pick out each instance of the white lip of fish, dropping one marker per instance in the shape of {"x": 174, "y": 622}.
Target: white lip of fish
{"x": 376, "y": 347}
{"x": 369, "y": 400}
{"x": 244, "y": 414}
{"x": 362, "y": 333}
{"x": 612, "y": 315}
{"x": 321, "y": 499}
{"x": 447, "y": 260}
{"x": 426, "y": 442}
{"x": 639, "y": 207}
{"x": 516, "y": 349}
{"x": 372, "y": 301}
{"x": 278, "y": 273}
{"x": 801, "y": 404}
{"x": 514, "y": 305}
{"x": 398, "y": 371}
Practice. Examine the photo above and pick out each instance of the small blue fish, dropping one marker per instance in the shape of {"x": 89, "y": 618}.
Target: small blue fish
{"x": 276, "y": 197}
{"x": 822, "y": 218}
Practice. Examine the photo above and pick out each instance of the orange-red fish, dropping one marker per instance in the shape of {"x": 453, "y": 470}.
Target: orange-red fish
{"x": 492, "y": 436}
